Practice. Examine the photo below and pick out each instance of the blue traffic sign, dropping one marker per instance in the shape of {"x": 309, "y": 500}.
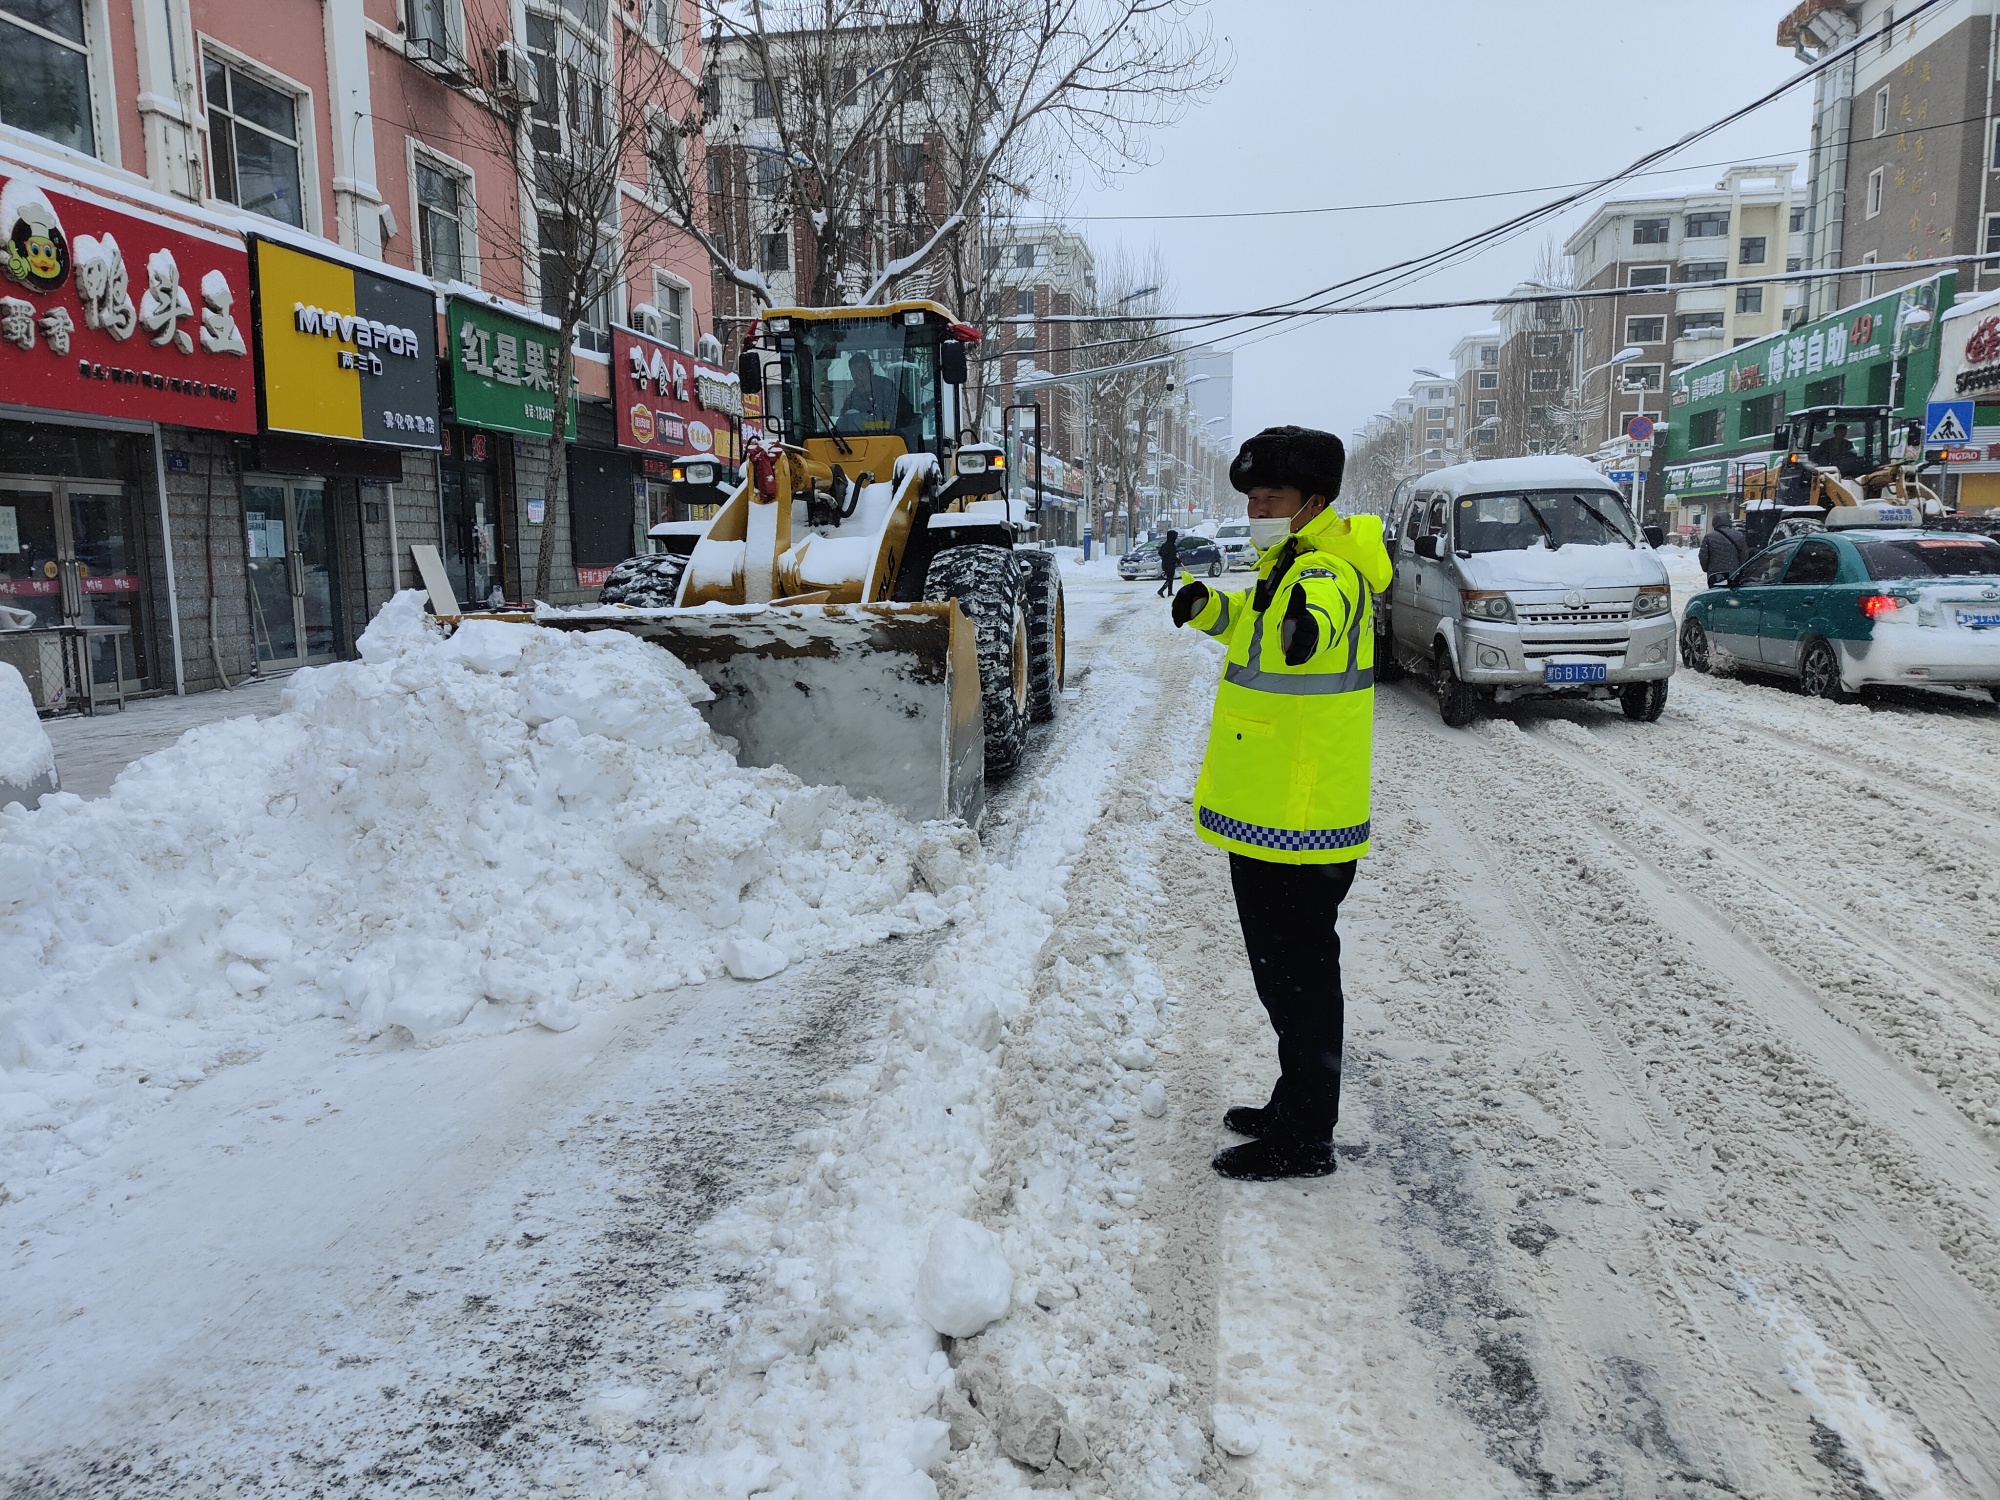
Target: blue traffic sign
{"x": 1639, "y": 428}
{"x": 1947, "y": 423}
{"x": 1618, "y": 476}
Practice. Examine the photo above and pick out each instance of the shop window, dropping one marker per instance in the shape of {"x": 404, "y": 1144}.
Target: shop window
{"x": 1761, "y": 415}
{"x": 1650, "y": 231}
{"x": 1705, "y": 428}
{"x": 1645, "y": 330}
{"x": 1750, "y": 299}
{"x": 45, "y": 71}
{"x": 1646, "y": 276}
{"x": 444, "y": 202}
{"x": 253, "y": 143}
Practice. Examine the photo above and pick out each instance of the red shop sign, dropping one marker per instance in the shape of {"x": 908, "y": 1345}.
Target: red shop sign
{"x": 656, "y": 391}
{"x": 118, "y": 314}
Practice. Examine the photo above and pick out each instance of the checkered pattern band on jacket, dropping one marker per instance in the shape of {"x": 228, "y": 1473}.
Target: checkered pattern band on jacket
{"x": 1295, "y": 840}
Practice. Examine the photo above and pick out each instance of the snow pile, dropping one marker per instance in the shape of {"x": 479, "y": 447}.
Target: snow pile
{"x": 27, "y": 759}
{"x": 965, "y": 1281}
{"x": 446, "y": 838}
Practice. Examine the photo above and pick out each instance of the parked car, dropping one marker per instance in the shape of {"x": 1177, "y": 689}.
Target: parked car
{"x": 1196, "y": 555}
{"x": 1526, "y": 577}
{"x": 1864, "y": 602}
{"x": 1238, "y": 551}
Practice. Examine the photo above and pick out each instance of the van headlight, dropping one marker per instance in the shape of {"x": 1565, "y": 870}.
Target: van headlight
{"x": 1488, "y": 606}
{"x": 1650, "y": 602}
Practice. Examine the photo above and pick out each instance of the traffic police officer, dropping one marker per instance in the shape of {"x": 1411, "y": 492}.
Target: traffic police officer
{"x": 1284, "y": 785}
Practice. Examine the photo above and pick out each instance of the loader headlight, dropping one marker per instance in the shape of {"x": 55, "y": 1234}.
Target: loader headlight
{"x": 971, "y": 463}
{"x": 701, "y": 471}
{"x": 1485, "y": 605}
{"x": 1649, "y": 602}
{"x": 778, "y": 325}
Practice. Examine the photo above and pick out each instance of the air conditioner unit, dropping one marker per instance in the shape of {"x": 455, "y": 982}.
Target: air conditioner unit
{"x": 709, "y": 347}
{"x": 514, "y": 77}
{"x": 650, "y": 321}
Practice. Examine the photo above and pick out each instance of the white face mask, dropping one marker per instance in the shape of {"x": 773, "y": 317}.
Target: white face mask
{"x": 1267, "y": 533}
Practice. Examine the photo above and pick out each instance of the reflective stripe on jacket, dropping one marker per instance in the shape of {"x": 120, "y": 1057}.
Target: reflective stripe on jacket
{"x": 1286, "y": 773}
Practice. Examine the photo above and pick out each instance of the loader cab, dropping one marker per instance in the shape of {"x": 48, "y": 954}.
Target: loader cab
{"x": 1846, "y": 440}
{"x": 862, "y": 387}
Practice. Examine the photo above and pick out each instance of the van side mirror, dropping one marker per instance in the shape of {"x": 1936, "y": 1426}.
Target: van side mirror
{"x": 951, "y": 362}
{"x": 1431, "y": 545}
{"x": 1656, "y": 535}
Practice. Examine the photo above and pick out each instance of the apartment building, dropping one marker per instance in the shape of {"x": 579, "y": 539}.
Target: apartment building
{"x": 1038, "y": 272}
{"x": 1538, "y": 365}
{"x": 1475, "y": 364}
{"x": 328, "y": 219}
{"x": 1659, "y": 253}
{"x": 1429, "y": 414}
{"x": 1905, "y": 163}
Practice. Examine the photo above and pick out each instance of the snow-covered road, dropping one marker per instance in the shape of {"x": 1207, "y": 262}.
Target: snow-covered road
{"x": 1669, "y": 1154}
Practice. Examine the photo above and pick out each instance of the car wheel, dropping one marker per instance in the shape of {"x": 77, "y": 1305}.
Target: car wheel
{"x": 1458, "y": 703}
{"x": 1215, "y": 568}
{"x": 1819, "y": 672}
{"x": 1694, "y": 647}
{"x": 1643, "y": 702}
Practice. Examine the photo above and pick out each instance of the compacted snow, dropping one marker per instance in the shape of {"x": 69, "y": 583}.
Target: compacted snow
{"x": 1668, "y": 1157}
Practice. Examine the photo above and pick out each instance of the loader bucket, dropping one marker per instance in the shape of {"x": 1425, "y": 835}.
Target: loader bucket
{"x": 882, "y": 699}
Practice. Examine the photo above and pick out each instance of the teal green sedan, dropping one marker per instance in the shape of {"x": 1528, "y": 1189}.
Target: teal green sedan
{"x": 1843, "y": 609}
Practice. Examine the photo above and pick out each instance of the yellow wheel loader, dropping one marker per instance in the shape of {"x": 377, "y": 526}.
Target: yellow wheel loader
{"x": 863, "y": 604}
{"x": 1831, "y": 457}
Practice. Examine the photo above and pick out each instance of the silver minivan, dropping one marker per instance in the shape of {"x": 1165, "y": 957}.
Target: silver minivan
{"x": 1525, "y": 577}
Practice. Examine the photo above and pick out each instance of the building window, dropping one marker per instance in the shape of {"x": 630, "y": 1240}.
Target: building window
{"x": 1750, "y": 250}
{"x": 1994, "y": 160}
{"x": 434, "y": 30}
{"x": 1831, "y": 391}
{"x": 1704, "y": 270}
{"x": 593, "y": 329}
{"x": 662, "y": 22}
{"x": 1798, "y": 221}
{"x": 775, "y": 252}
{"x": 1700, "y": 324}
{"x": 1645, "y": 330}
{"x": 1485, "y": 409}
{"x": 1875, "y": 192}
{"x": 1542, "y": 380}
{"x": 253, "y": 142}
{"x": 1024, "y": 303}
{"x": 1794, "y": 263}
{"x": 1888, "y": 30}
{"x": 1434, "y": 413}
{"x": 1642, "y": 377}
{"x": 1486, "y": 435}
{"x": 1433, "y": 434}
{"x": 1489, "y": 356}
{"x": 45, "y": 72}
{"x": 1882, "y": 110}
{"x": 1024, "y": 257}
{"x": 1761, "y": 415}
{"x": 1992, "y": 241}
{"x": 1489, "y": 380}
{"x": 1750, "y": 299}
{"x": 444, "y": 197}
{"x": 770, "y": 177}
{"x": 907, "y": 161}
{"x": 763, "y": 102}
{"x": 1868, "y": 281}
{"x": 1650, "y": 231}
{"x": 1545, "y": 346}
{"x": 671, "y": 298}
{"x": 1708, "y": 225}
{"x": 1705, "y": 428}
{"x": 1646, "y": 276}
{"x": 1434, "y": 393}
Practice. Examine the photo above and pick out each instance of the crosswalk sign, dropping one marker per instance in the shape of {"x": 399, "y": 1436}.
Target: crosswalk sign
{"x": 1947, "y": 423}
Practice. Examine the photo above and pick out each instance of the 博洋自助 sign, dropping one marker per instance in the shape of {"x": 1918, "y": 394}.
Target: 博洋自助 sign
{"x": 342, "y": 351}
{"x": 503, "y": 371}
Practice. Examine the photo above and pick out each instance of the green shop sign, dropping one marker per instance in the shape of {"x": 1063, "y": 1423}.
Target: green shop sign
{"x": 1688, "y": 480}
{"x": 503, "y": 371}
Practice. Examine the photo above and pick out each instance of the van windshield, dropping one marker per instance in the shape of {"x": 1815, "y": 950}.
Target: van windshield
{"x": 1520, "y": 519}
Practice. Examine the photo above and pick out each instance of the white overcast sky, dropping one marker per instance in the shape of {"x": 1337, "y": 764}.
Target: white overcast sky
{"x": 1336, "y": 103}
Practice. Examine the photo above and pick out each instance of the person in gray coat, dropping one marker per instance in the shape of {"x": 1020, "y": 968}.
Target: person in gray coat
{"x": 1722, "y": 550}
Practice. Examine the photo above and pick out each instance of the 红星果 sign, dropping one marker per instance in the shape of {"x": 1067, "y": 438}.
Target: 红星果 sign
{"x": 342, "y": 351}
{"x": 114, "y": 313}
{"x": 503, "y": 371}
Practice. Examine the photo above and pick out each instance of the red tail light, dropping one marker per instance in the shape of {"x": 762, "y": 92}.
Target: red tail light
{"x": 1874, "y": 606}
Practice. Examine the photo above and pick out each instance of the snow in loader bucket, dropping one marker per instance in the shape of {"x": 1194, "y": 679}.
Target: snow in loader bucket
{"x": 882, "y": 699}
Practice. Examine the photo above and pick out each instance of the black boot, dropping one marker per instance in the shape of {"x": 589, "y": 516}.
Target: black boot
{"x": 1277, "y": 1155}
{"x": 1253, "y": 1120}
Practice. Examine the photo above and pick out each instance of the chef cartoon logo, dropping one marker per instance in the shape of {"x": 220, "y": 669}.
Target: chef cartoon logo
{"x": 34, "y": 251}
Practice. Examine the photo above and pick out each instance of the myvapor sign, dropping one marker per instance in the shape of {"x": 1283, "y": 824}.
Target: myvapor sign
{"x": 343, "y": 352}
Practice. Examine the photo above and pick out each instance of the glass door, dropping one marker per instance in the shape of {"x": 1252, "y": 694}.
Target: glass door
{"x": 30, "y": 557}
{"x": 473, "y": 541}
{"x": 294, "y": 578}
{"x": 68, "y": 556}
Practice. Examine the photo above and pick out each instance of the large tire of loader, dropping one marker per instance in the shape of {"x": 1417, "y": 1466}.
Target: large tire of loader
{"x": 986, "y": 581}
{"x": 1042, "y": 601}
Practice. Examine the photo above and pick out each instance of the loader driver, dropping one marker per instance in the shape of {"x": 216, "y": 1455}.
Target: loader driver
{"x": 1837, "y": 452}
{"x": 872, "y": 400}
{"x": 1284, "y": 785}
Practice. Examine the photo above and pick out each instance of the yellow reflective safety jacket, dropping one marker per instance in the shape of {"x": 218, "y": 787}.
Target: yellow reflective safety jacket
{"x": 1286, "y": 774}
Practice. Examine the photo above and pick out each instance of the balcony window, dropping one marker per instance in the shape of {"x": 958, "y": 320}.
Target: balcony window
{"x": 1709, "y": 225}
{"x": 1699, "y": 325}
{"x": 1643, "y": 276}
{"x": 1704, "y": 270}
{"x": 1650, "y": 231}
{"x": 1642, "y": 377}
{"x": 45, "y": 71}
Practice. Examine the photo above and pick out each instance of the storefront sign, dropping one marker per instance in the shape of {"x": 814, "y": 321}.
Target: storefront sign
{"x": 1685, "y": 481}
{"x": 343, "y": 352}
{"x": 591, "y": 578}
{"x": 1969, "y": 358}
{"x": 503, "y": 370}
{"x": 81, "y": 332}
{"x": 667, "y": 403}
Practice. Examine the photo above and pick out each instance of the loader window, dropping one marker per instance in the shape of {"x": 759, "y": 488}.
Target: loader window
{"x": 865, "y": 377}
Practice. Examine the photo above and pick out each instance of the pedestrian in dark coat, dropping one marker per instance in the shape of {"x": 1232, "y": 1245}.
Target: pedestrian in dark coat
{"x": 1170, "y": 559}
{"x": 1722, "y": 549}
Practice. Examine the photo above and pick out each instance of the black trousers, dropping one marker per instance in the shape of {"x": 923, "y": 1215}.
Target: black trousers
{"x": 1166, "y": 582}
{"x": 1287, "y": 913}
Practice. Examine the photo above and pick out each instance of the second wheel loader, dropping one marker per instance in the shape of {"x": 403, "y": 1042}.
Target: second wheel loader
{"x": 863, "y": 604}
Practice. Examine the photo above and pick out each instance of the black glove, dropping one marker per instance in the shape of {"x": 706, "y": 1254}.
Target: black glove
{"x": 1189, "y": 602}
{"x": 1299, "y": 631}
